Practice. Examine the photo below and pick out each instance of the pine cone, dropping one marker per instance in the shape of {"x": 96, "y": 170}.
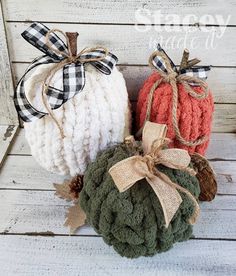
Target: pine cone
{"x": 76, "y": 185}
{"x": 205, "y": 176}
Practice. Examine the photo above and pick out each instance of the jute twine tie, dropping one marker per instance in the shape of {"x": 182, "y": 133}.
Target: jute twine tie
{"x": 173, "y": 78}
{"x": 154, "y": 158}
{"x": 71, "y": 57}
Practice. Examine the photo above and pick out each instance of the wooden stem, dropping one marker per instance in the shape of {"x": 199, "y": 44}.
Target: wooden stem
{"x": 184, "y": 61}
{"x": 72, "y": 41}
{"x": 193, "y": 62}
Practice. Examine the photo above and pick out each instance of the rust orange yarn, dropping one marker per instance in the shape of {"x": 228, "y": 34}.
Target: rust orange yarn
{"x": 194, "y": 115}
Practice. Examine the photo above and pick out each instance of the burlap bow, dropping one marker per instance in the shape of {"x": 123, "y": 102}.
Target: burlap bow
{"x": 188, "y": 76}
{"x": 128, "y": 171}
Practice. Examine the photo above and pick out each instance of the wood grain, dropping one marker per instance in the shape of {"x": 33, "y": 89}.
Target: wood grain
{"x": 224, "y": 118}
{"x": 134, "y": 47}
{"x": 22, "y": 172}
{"x": 28, "y": 207}
{"x": 33, "y": 211}
{"x": 119, "y": 11}
{"x": 8, "y": 114}
{"x": 222, "y": 81}
{"x": 222, "y": 146}
{"x": 7, "y": 134}
{"x": 91, "y": 256}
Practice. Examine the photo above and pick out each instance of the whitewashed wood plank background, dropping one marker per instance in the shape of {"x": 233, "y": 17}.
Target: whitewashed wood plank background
{"x": 8, "y": 114}
{"x": 25, "y": 212}
{"x": 61, "y": 256}
{"x": 28, "y": 207}
{"x": 7, "y": 133}
{"x": 114, "y": 12}
{"x": 131, "y": 46}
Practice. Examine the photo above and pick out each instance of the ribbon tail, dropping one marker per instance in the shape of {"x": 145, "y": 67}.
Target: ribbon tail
{"x": 177, "y": 187}
{"x": 73, "y": 80}
{"x": 26, "y": 111}
{"x": 193, "y": 218}
{"x": 168, "y": 196}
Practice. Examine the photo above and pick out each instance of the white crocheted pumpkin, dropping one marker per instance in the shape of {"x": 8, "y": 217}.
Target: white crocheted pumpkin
{"x": 94, "y": 119}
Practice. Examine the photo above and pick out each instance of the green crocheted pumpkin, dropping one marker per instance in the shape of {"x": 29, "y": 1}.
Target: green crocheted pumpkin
{"x": 132, "y": 221}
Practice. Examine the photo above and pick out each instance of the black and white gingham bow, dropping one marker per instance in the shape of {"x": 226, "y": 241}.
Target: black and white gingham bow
{"x": 73, "y": 73}
{"x": 198, "y": 72}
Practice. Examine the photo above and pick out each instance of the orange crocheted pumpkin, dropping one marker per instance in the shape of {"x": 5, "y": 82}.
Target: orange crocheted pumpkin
{"x": 193, "y": 115}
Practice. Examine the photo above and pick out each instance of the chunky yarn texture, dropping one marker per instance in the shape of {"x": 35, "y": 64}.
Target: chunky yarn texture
{"x": 94, "y": 119}
{"x": 194, "y": 116}
{"x": 132, "y": 221}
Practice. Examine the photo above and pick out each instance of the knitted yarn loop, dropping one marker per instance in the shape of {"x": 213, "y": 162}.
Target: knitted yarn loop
{"x": 172, "y": 78}
{"x": 133, "y": 221}
{"x": 71, "y": 57}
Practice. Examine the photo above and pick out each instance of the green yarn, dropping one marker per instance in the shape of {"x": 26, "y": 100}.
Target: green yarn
{"x": 132, "y": 221}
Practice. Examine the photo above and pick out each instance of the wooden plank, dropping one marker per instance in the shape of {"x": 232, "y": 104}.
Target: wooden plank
{"x": 91, "y": 256}
{"x": 7, "y": 134}
{"x": 33, "y": 211}
{"x": 20, "y": 145}
{"x": 224, "y": 118}
{"x": 109, "y": 11}
{"x": 8, "y": 114}
{"x": 221, "y": 146}
{"x": 23, "y": 172}
{"x": 222, "y": 81}
{"x": 226, "y": 176}
{"x": 134, "y": 47}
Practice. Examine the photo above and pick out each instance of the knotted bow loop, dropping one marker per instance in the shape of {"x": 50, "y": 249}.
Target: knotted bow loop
{"x": 188, "y": 77}
{"x": 64, "y": 58}
{"x": 128, "y": 171}
{"x": 87, "y": 55}
{"x": 36, "y": 35}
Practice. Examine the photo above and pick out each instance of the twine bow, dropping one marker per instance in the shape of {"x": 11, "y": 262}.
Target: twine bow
{"x": 63, "y": 57}
{"x": 128, "y": 171}
{"x": 187, "y": 76}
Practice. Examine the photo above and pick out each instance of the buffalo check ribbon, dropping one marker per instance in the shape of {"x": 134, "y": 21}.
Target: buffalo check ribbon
{"x": 200, "y": 72}
{"x": 56, "y": 51}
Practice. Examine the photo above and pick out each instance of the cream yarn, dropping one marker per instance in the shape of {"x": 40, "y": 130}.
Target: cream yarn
{"x": 94, "y": 119}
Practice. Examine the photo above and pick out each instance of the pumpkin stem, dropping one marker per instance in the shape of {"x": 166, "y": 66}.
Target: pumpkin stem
{"x": 72, "y": 42}
{"x": 185, "y": 63}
